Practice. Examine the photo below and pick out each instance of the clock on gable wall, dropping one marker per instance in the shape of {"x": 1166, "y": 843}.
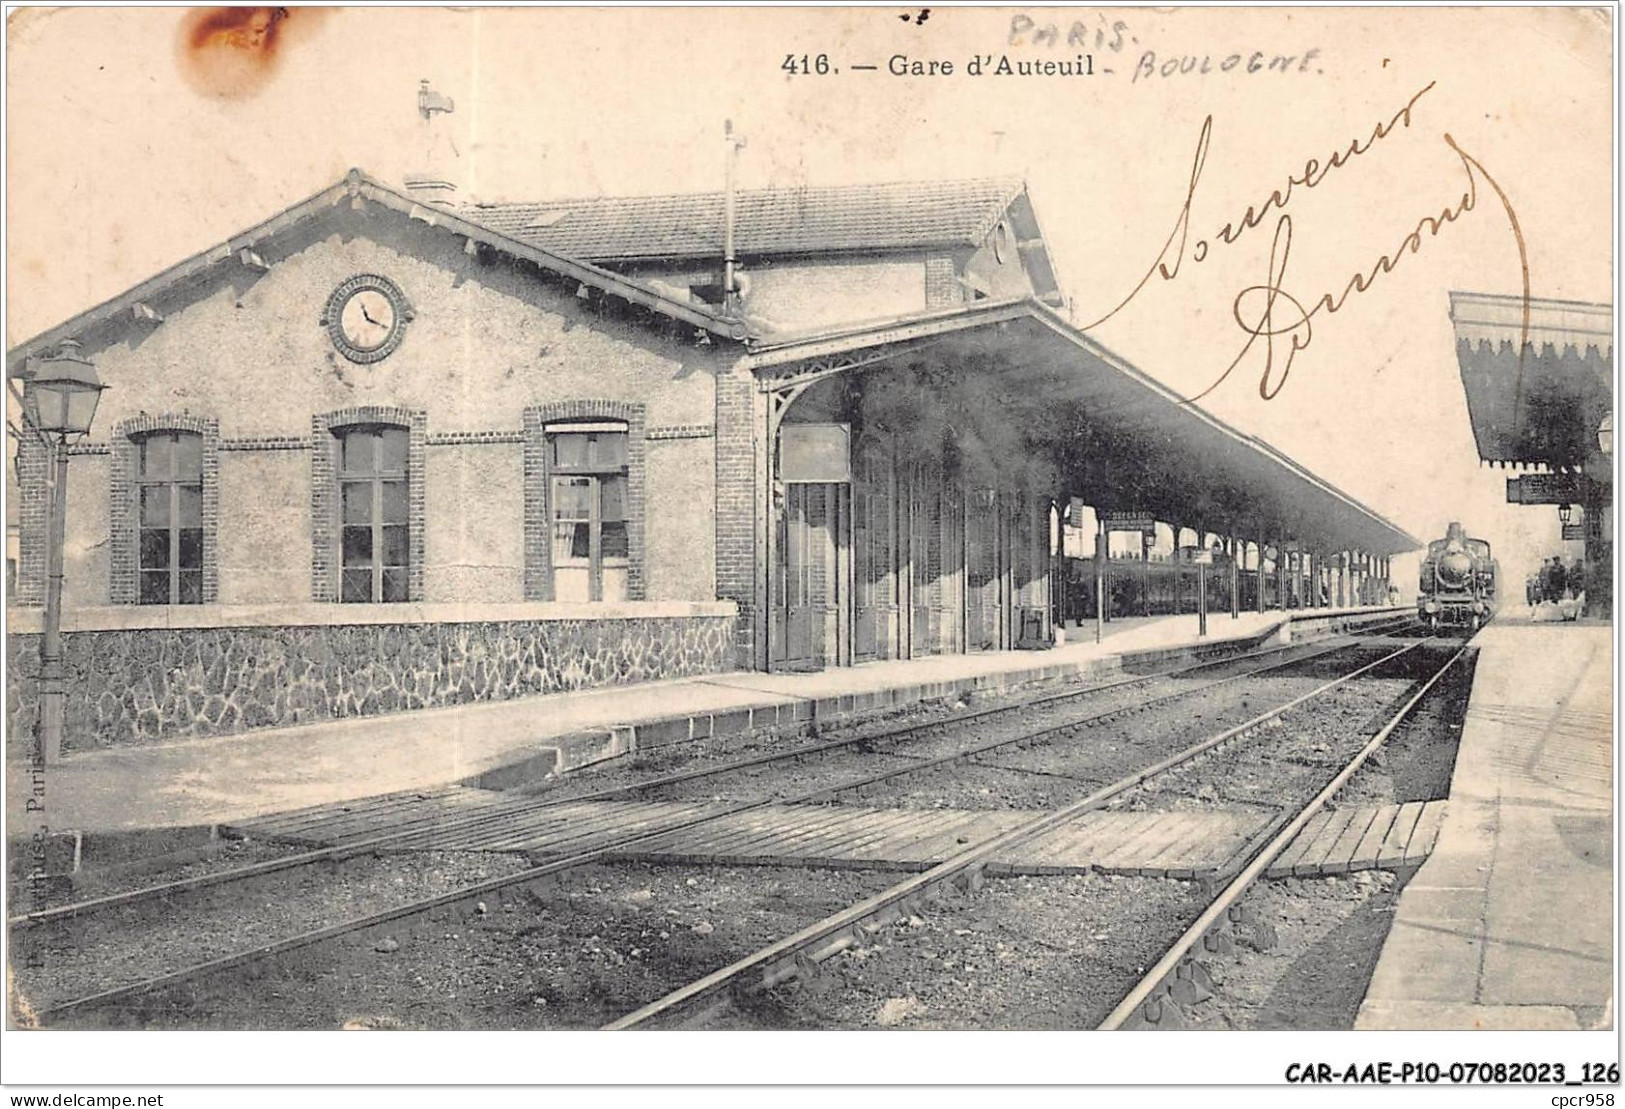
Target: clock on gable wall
{"x": 366, "y": 317}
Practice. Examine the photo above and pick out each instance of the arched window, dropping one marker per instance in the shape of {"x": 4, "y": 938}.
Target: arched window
{"x": 169, "y": 477}
{"x": 375, "y": 536}
{"x": 585, "y": 462}
{"x": 587, "y": 511}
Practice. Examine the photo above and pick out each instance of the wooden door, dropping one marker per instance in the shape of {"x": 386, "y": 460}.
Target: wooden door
{"x": 874, "y": 557}
{"x": 923, "y": 531}
{"x": 951, "y": 570}
{"x": 803, "y": 578}
{"x": 984, "y": 608}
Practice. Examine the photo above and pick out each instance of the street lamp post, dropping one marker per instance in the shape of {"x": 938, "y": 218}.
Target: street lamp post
{"x": 60, "y": 394}
{"x": 1598, "y": 570}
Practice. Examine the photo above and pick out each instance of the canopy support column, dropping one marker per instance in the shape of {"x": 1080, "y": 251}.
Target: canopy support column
{"x": 1280, "y": 569}
{"x": 1101, "y": 554}
{"x": 1258, "y": 575}
{"x": 1235, "y": 580}
{"x": 1145, "y": 576}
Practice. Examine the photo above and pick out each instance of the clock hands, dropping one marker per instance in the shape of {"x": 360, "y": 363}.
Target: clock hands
{"x": 364, "y": 318}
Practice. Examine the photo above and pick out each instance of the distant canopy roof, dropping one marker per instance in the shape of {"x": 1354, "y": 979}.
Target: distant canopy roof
{"x": 1539, "y": 403}
{"x": 769, "y": 221}
{"x": 1126, "y": 441}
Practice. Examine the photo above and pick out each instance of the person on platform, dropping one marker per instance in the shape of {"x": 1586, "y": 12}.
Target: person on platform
{"x": 1550, "y": 587}
{"x": 1577, "y": 579}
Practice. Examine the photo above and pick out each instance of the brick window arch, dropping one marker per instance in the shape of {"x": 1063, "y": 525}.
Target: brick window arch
{"x": 164, "y": 510}
{"x": 367, "y": 495}
{"x": 584, "y": 500}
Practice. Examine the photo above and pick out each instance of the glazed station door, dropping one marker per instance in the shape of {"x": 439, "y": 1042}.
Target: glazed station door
{"x": 874, "y": 556}
{"x": 984, "y": 608}
{"x": 924, "y": 506}
{"x": 811, "y": 559}
{"x": 804, "y": 577}
{"x": 951, "y": 571}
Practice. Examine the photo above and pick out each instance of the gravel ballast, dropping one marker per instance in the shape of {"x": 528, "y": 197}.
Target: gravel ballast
{"x": 576, "y": 954}
{"x": 1021, "y": 953}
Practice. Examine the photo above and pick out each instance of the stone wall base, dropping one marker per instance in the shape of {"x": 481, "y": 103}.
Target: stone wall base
{"x": 129, "y": 687}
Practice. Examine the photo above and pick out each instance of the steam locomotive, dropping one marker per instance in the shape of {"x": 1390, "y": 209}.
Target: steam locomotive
{"x": 1457, "y": 583}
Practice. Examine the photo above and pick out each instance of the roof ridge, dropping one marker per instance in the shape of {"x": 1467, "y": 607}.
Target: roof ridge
{"x": 1011, "y": 185}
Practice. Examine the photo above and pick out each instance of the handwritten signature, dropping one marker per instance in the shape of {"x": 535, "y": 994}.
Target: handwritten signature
{"x": 1268, "y": 311}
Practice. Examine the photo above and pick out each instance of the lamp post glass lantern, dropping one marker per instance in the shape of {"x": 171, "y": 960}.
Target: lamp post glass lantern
{"x": 1565, "y": 513}
{"x": 60, "y": 394}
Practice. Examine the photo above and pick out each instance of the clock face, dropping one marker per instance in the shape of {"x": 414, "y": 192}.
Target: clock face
{"x": 366, "y": 318}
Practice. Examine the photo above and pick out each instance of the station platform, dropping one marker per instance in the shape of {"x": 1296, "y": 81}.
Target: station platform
{"x": 1510, "y": 922}
{"x": 205, "y": 782}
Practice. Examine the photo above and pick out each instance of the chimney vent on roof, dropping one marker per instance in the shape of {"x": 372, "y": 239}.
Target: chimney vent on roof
{"x": 430, "y": 102}
{"x": 437, "y": 183}
{"x": 429, "y": 188}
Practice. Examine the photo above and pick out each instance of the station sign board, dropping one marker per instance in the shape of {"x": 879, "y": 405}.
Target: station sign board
{"x": 1544, "y": 489}
{"x": 1128, "y": 521}
{"x": 815, "y": 453}
{"x": 1574, "y": 533}
{"x": 1201, "y": 556}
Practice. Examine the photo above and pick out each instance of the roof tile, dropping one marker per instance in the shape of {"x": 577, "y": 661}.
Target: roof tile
{"x": 770, "y": 221}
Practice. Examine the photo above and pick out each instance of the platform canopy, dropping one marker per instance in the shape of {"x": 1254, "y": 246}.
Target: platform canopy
{"x": 1538, "y": 389}
{"x": 1121, "y": 440}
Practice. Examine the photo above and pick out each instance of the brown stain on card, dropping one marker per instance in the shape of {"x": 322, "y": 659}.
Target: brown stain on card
{"x": 24, "y": 21}
{"x": 232, "y": 53}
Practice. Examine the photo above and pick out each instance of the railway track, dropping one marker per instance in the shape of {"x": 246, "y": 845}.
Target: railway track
{"x": 797, "y": 956}
{"x": 56, "y": 1011}
{"x": 1143, "y": 1004}
{"x": 521, "y": 806}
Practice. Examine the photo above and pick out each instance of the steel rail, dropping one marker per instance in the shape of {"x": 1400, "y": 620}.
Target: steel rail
{"x": 354, "y": 924}
{"x": 54, "y": 1011}
{"x": 1066, "y": 726}
{"x": 522, "y": 806}
{"x": 798, "y": 953}
{"x": 922, "y": 729}
{"x": 1169, "y": 963}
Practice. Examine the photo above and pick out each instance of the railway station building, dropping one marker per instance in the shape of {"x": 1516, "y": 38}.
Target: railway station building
{"x": 388, "y": 450}
{"x": 1541, "y": 398}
